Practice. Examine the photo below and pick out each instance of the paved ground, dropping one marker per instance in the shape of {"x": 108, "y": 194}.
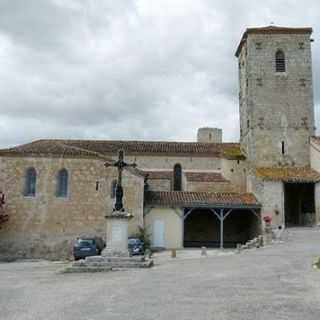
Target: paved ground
{"x": 272, "y": 283}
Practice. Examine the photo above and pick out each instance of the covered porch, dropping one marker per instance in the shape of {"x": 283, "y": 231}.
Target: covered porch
{"x": 292, "y": 195}
{"x": 214, "y": 220}
{"x": 220, "y": 227}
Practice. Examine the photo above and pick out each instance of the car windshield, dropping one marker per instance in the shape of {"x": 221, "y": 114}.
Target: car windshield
{"x": 133, "y": 241}
{"x": 86, "y": 242}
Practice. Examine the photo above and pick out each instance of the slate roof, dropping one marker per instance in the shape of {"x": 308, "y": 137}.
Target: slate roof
{"x": 111, "y": 147}
{"x": 288, "y": 174}
{"x": 205, "y": 177}
{"x": 200, "y": 199}
{"x": 270, "y": 30}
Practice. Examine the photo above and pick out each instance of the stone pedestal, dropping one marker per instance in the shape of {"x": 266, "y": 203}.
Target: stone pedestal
{"x": 267, "y": 238}
{"x": 115, "y": 255}
{"x": 117, "y": 234}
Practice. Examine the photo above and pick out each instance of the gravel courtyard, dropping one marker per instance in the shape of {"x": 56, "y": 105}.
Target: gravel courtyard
{"x": 276, "y": 282}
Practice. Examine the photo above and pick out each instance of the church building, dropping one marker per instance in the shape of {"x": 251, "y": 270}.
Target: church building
{"x": 182, "y": 194}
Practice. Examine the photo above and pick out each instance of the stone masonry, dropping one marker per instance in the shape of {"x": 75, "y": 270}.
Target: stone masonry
{"x": 46, "y": 226}
{"x": 276, "y": 106}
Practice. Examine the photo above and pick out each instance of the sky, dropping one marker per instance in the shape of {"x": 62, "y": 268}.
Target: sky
{"x": 133, "y": 70}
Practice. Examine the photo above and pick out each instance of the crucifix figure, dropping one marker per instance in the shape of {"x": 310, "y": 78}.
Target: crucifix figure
{"x": 120, "y": 164}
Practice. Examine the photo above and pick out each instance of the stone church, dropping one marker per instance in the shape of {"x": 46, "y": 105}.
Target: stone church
{"x": 183, "y": 194}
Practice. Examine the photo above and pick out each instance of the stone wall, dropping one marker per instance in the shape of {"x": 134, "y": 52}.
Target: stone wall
{"x": 276, "y": 106}
{"x": 44, "y": 225}
{"x": 168, "y": 162}
{"x": 236, "y": 172}
{"x": 233, "y": 170}
{"x": 159, "y": 185}
{"x": 210, "y": 186}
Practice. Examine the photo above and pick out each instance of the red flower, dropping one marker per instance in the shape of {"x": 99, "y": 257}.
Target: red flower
{"x": 267, "y": 219}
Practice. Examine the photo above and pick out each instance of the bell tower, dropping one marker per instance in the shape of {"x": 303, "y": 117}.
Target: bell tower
{"x": 276, "y": 95}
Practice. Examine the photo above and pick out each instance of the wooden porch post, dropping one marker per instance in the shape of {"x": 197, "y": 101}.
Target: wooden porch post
{"x": 221, "y": 228}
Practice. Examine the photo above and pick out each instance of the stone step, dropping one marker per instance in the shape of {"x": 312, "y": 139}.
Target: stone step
{"x": 74, "y": 269}
{"x": 105, "y": 266}
{"x": 113, "y": 259}
{"x": 146, "y": 264}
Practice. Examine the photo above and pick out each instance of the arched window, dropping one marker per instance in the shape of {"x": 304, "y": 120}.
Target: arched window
{"x": 30, "y": 182}
{"x": 280, "y": 61}
{"x": 62, "y": 183}
{"x": 113, "y": 189}
{"x": 177, "y": 177}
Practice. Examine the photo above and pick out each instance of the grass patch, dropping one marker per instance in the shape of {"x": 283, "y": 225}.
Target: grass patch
{"x": 317, "y": 264}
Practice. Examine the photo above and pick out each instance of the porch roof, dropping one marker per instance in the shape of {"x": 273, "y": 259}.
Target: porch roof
{"x": 288, "y": 174}
{"x": 200, "y": 199}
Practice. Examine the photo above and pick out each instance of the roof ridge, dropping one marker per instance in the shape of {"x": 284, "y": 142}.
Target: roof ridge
{"x": 102, "y": 148}
{"x": 125, "y": 141}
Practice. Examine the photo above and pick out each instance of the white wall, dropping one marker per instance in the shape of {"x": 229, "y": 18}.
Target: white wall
{"x": 173, "y": 232}
{"x": 317, "y": 202}
{"x": 271, "y": 195}
{"x": 314, "y": 155}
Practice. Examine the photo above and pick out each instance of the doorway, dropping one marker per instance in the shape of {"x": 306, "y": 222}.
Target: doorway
{"x": 299, "y": 204}
{"x": 158, "y": 234}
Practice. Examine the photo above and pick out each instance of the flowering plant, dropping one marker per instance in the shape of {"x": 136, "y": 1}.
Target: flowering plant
{"x": 267, "y": 219}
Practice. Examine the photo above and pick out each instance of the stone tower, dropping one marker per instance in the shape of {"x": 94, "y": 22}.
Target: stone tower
{"x": 276, "y": 95}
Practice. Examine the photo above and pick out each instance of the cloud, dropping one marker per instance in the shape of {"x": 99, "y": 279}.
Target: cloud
{"x": 129, "y": 69}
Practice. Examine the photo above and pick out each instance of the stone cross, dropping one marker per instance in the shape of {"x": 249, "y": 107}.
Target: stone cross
{"x": 120, "y": 164}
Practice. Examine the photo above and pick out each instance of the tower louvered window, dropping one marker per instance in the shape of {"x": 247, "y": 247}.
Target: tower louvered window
{"x": 280, "y": 61}
{"x": 177, "y": 177}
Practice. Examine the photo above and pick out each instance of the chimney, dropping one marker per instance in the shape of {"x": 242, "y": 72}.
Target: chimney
{"x": 209, "y": 135}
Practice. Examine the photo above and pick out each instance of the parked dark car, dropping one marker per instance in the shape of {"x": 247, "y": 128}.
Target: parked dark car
{"x": 135, "y": 246}
{"x": 85, "y": 247}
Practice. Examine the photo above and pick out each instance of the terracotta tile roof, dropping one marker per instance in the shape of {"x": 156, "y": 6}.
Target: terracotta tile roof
{"x": 199, "y": 199}
{"x": 205, "y": 176}
{"x": 52, "y": 148}
{"x": 288, "y": 174}
{"x": 270, "y": 30}
{"x": 109, "y": 147}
